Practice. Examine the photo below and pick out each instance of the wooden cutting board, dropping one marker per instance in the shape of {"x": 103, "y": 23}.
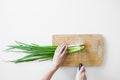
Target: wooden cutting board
{"x": 91, "y": 56}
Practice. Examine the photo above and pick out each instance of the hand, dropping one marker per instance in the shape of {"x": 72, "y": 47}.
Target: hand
{"x": 58, "y": 59}
{"x": 59, "y": 55}
{"x": 80, "y": 75}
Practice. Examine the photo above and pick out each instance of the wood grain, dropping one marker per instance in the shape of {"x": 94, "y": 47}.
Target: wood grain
{"x": 90, "y": 56}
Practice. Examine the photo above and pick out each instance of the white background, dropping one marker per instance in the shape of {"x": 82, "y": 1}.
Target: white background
{"x": 35, "y": 21}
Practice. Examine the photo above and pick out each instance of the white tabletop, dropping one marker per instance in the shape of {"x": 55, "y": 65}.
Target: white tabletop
{"x": 35, "y": 21}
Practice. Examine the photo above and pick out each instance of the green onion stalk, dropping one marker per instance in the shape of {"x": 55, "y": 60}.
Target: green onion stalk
{"x": 41, "y": 53}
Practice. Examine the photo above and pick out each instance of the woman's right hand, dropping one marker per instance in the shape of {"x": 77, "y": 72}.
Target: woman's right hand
{"x": 80, "y": 75}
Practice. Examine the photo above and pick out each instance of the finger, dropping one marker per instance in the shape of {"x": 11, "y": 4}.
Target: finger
{"x": 64, "y": 51}
{"x": 82, "y": 69}
{"x": 58, "y": 48}
{"x": 62, "y": 48}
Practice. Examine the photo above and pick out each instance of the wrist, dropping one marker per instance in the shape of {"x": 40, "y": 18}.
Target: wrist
{"x": 54, "y": 66}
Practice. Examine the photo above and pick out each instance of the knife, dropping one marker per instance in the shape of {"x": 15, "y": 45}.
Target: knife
{"x": 80, "y": 65}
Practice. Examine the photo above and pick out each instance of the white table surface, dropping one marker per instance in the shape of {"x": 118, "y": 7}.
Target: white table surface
{"x": 35, "y": 21}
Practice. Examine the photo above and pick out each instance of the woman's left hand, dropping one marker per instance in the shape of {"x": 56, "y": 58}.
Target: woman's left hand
{"x": 59, "y": 55}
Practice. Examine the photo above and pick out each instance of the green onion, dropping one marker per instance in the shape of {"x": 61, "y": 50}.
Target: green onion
{"x": 41, "y": 53}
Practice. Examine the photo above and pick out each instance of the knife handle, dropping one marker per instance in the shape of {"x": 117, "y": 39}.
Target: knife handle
{"x": 80, "y": 65}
